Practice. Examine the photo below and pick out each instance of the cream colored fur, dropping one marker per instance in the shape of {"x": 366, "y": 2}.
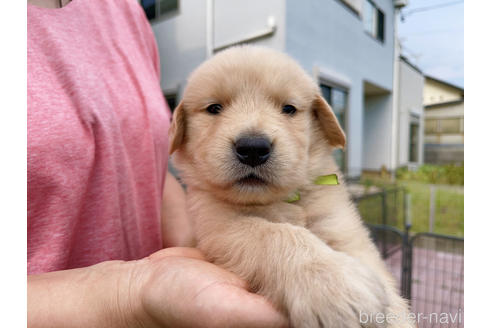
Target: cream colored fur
{"x": 313, "y": 258}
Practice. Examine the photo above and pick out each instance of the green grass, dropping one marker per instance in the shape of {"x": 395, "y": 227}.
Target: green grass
{"x": 449, "y": 213}
{"x": 449, "y": 208}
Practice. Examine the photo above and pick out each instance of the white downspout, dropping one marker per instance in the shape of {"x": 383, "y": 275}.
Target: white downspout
{"x": 210, "y": 28}
{"x": 396, "y": 95}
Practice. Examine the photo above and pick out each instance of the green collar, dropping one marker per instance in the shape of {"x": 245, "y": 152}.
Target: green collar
{"x": 330, "y": 180}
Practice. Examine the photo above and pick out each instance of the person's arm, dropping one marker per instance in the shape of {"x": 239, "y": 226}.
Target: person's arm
{"x": 175, "y": 225}
{"x": 86, "y": 297}
{"x": 174, "y": 287}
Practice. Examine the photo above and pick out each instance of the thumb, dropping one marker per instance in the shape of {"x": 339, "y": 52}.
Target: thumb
{"x": 245, "y": 309}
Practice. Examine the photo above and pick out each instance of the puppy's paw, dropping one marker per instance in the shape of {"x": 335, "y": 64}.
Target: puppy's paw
{"x": 337, "y": 292}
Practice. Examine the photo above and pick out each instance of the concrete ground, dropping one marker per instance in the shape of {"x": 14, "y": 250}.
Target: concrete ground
{"x": 437, "y": 285}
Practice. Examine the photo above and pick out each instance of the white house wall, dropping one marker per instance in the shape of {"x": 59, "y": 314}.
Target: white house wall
{"x": 182, "y": 37}
{"x": 236, "y": 21}
{"x": 328, "y": 35}
{"x": 376, "y": 133}
{"x": 182, "y": 43}
{"x": 410, "y": 104}
{"x": 322, "y": 35}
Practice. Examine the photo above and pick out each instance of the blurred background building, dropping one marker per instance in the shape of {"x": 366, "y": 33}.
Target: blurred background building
{"x": 444, "y": 122}
{"x": 396, "y": 118}
{"x": 347, "y": 46}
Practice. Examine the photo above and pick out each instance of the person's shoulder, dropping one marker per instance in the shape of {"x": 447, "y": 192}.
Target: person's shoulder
{"x": 116, "y": 11}
{"x": 133, "y": 16}
{"x": 131, "y": 9}
{"x": 134, "y": 6}
{"x": 127, "y": 14}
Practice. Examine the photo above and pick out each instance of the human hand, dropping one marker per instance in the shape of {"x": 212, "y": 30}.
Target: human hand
{"x": 176, "y": 287}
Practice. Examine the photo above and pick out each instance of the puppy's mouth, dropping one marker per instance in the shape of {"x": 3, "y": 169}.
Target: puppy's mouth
{"x": 251, "y": 180}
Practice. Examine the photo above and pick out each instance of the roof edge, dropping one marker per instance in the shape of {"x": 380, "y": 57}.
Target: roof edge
{"x": 454, "y": 102}
{"x": 405, "y": 59}
{"x": 444, "y": 82}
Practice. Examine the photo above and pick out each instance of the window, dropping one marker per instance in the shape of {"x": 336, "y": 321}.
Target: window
{"x": 155, "y": 9}
{"x": 414, "y": 143}
{"x": 452, "y": 125}
{"x": 338, "y": 100}
{"x": 373, "y": 20}
{"x": 431, "y": 126}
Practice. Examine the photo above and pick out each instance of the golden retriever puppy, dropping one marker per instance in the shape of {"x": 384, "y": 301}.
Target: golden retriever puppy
{"x": 251, "y": 131}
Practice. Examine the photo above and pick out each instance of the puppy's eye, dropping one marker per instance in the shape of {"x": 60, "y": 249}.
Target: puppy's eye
{"x": 214, "y": 109}
{"x": 289, "y": 109}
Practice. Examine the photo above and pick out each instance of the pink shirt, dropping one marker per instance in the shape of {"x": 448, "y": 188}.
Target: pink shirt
{"x": 96, "y": 135}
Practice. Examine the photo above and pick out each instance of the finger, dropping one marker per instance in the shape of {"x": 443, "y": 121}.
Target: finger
{"x": 236, "y": 308}
{"x": 189, "y": 252}
{"x": 257, "y": 312}
{"x": 228, "y": 277}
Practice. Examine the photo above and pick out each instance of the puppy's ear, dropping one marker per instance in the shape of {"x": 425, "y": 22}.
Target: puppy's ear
{"x": 329, "y": 123}
{"x": 177, "y": 130}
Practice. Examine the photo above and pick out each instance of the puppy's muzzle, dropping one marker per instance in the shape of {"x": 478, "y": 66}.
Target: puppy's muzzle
{"x": 253, "y": 150}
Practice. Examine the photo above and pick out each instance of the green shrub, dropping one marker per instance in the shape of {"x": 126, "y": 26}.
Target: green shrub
{"x": 455, "y": 174}
{"x": 367, "y": 183}
{"x": 402, "y": 173}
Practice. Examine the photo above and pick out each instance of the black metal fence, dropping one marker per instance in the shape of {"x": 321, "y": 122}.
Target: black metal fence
{"x": 429, "y": 267}
{"x": 391, "y": 244}
{"x": 436, "y": 285}
{"x": 386, "y": 207}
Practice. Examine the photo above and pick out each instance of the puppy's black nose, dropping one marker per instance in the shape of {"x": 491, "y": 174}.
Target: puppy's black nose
{"x": 253, "y": 151}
